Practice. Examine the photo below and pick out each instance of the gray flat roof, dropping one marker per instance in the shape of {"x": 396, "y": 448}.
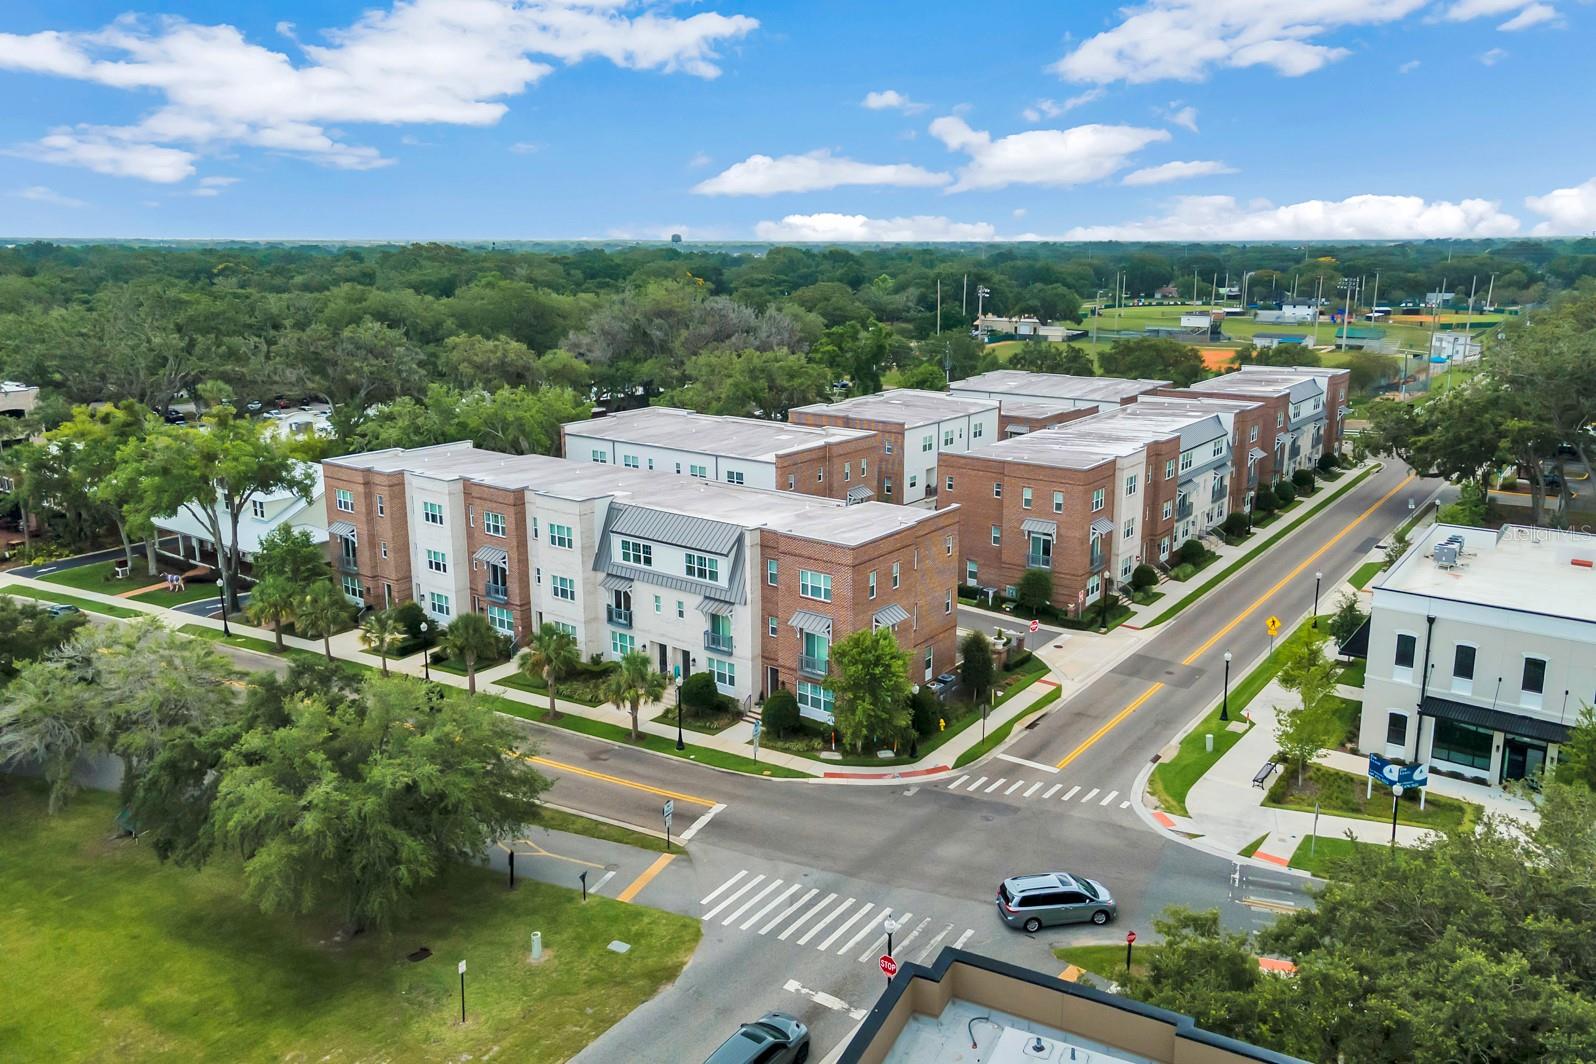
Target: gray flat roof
{"x": 1267, "y": 380}
{"x": 1021, "y": 384}
{"x": 910, "y": 407}
{"x": 1154, "y": 423}
{"x": 809, "y": 516}
{"x": 1035, "y": 408}
{"x": 687, "y": 430}
{"x": 1062, "y": 448}
{"x": 1518, "y": 568}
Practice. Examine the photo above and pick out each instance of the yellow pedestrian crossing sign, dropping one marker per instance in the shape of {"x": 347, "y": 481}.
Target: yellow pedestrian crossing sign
{"x": 1273, "y": 625}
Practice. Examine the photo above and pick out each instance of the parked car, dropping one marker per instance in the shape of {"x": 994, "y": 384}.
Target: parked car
{"x": 1552, "y": 483}
{"x": 774, "y": 1038}
{"x": 1044, "y": 899}
{"x": 59, "y": 609}
{"x": 253, "y": 406}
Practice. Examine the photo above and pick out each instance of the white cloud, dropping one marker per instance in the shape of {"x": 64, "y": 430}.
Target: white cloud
{"x": 1177, "y": 171}
{"x": 205, "y": 193}
{"x": 1527, "y": 12}
{"x": 762, "y": 175}
{"x": 525, "y": 147}
{"x": 1367, "y": 217}
{"x": 417, "y": 61}
{"x": 41, "y": 194}
{"x": 1185, "y": 39}
{"x": 699, "y": 160}
{"x": 1568, "y": 211}
{"x": 1409, "y": 67}
{"x": 890, "y": 100}
{"x": 1185, "y": 117}
{"x": 1493, "y": 56}
{"x": 1533, "y": 15}
{"x": 1018, "y": 212}
{"x": 828, "y": 228}
{"x": 1041, "y": 156}
{"x": 217, "y": 182}
{"x": 1053, "y": 108}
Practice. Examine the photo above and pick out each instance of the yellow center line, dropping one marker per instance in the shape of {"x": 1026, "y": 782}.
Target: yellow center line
{"x": 1141, "y": 699}
{"x": 636, "y": 886}
{"x": 619, "y": 782}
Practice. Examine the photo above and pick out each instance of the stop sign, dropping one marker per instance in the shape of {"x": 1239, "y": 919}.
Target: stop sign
{"x": 889, "y": 967}
{"x": 1130, "y": 936}
{"x": 1034, "y": 626}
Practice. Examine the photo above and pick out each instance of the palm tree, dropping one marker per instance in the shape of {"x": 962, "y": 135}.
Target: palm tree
{"x": 322, "y": 611}
{"x": 381, "y": 633}
{"x": 471, "y": 638}
{"x": 634, "y": 682}
{"x": 552, "y": 654}
{"x": 272, "y": 601}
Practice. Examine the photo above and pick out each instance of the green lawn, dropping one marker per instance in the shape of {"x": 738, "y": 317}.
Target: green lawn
{"x": 1364, "y": 573}
{"x": 245, "y": 642}
{"x": 86, "y": 605}
{"x": 566, "y": 690}
{"x": 112, "y": 956}
{"x": 1327, "y": 851}
{"x": 576, "y": 824}
{"x": 1252, "y": 847}
{"x": 1353, "y": 674}
{"x": 1106, "y": 961}
{"x": 191, "y": 593}
{"x": 97, "y": 577}
{"x": 1341, "y": 794}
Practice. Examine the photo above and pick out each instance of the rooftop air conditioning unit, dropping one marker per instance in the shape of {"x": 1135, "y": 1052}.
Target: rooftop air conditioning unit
{"x": 1446, "y": 555}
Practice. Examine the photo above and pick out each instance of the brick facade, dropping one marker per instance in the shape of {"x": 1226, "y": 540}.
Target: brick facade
{"x": 846, "y": 464}
{"x": 382, "y": 539}
{"x": 885, "y": 468}
{"x": 1015, "y": 422}
{"x": 480, "y": 500}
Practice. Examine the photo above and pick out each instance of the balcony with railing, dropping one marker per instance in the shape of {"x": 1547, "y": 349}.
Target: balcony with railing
{"x": 619, "y": 617}
{"x": 813, "y": 666}
{"x": 718, "y": 641}
{"x": 348, "y": 562}
{"x": 1039, "y": 560}
{"x": 1183, "y": 509}
{"x": 496, "y": 592}
{"x": 1096, "y": 561}
{"x": 1219, "y": 491}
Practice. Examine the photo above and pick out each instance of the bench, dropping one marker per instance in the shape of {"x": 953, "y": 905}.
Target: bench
{"x": 1264, "y": 773}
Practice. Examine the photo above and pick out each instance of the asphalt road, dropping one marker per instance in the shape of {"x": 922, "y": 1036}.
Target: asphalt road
{"x": 1059, "y": 797}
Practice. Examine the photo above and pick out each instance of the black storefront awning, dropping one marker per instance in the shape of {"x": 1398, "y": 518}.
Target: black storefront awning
{"x": 1546, "y": 731}
{"x": 1357, "y": 644}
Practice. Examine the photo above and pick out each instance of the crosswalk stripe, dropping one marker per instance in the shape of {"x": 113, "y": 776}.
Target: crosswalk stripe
{"x": 1124, "y": 805}
{"x": 1109, "y": 797}
{"x": 1071, "y": 794}
{"x": 931, "y": 947}
{"x": 1017, "y": 785}
{"x": 794, "y": 907}
{"x": 842, "y": 929}
{"x": 996, "y": 785}
{"x": 739, "y": 892}
{"x": 796, "y": 924}
{"x": 750, "y": 903}
{"x": 1091, "y": 794}
{"x": 955, "y": 784}
{"x": 903, "y": 944}
{"x": 826, "y": 920}
{"x": 716, "y": 892}
{"x": 962, "y": 939}
{"x": 1032, "y": 789}
{"x": 864, "y": 930}
{"x": 1051, "y": 791}
{"x": 977, "y": 784}
{"x": 880, "y": 943}
{"x": 769, "y": 905}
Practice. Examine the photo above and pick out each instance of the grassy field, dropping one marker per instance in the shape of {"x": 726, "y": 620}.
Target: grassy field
{"x": 576, "y": 824}
{"x": 1364, "y": 573}
{"x": 1412, "y": 335}
{"x": 1328, "y": 851}
{"x": 98, "y": 577}
{"x": 191, "y": 593}
{"x": 86, "y": 605}
{"x": 112, "y": 956}
{"x": 1106, "y": 961}
{"x": 1341, "y": 794}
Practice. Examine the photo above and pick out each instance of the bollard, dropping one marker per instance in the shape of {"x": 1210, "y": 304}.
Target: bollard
{"x": 1208, "y": 742}
{"x": 537, "y": 946}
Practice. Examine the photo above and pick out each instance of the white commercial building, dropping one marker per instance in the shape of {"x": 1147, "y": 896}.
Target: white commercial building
{"x": 264, "y": 513}
{"x": 1482, "y": 650}
{"x": 1058, "y": 389}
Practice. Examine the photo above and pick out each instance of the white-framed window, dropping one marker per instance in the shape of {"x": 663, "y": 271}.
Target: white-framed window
{"x": 651, "y": 463}
{"x": 972, "y": 572}
{"x": 1125, "y": 565}
{"x": 897, "y": 572}
{"x": 773, "y": 627}
{"x": 947, "y": 544}
{"x": 997, "y": 489}
{"x": 1219, "y": 448}
{"x": 701, "y": 566}
{"x": 635, "y": 553}
{"x": 1407, "y": 648}
{"x": 1025, "y": 498}
{"x": 997, "y": 535}
{"x": 629, "y": 461}
{"x": 1058, "y": 502}
{"x": 560, "y": 535}
{"x": 622, "y": 643}
{"x": 601, "y": 457}
{"x": 947, "y": 603}
{"x": 815, "y": 698}
{"x": 565, "y": 626}
{"x": 437, "y": 561}
{"x": 353, "y": 591}
{"x": 258, "y": 509}
{"x": 1533, "y": 683}
{"x": 681, "y": 609}
{"x": 1097, "y": 500}
{"x": 492, "y": 523}
{"x": 977, "y": 430}
{"x": 888, "y": 444}
{"x": 344, "y": 499}
{"x": 725, "y": 672}
{"x": 1130, "y": 528}
{"x": 1252, "y": 437}
{"x": 734, "y": 476}
{"x": 1169, "y": 469}
{"x": 950, "y": 481}
{"x": 1185, "y": 461}
{"x": 701, "y": 472}
{"x": 772, "y": 572}
{"x": 1463, "y": 655}
{"x": 1093, "y": 586}
{"x": 814, "y": 585}
{"x": 870, "y": 582}
{"x": 563, "y": 587}
{"x": 1130, "y": 484}
{"x": 1169, "y": 509}
{"x": 847, "y": 472}
{"x": 820, "y": 475}
{"x": 383, "y": 548}
{"x": 502, "y": 619}
{"x": 659, "y": 605}
{"x": 432, "y": 513}
{"x": 1280, "y": 418}
{"x": 1163, "y": 548}
{"x": 928, "y": 442}
{"x": 382, "y": 507}
{"x": 792, "y": 481}
{"x": 947, "y": 437}
{"x": 886, "y": 487}
{"x": 439, "y": 604}
{"x": 678, "y": 467}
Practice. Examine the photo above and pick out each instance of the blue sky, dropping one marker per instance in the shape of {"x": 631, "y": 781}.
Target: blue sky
{"x": 732, "y": 119}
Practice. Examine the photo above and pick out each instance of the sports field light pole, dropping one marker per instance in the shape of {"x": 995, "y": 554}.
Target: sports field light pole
{"x": 1224, "y": 706}
{"x": 1317, "y": 577}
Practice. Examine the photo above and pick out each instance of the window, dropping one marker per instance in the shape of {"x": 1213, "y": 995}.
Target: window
{"x": 997, "y": 489}
{"x": 1130, "y": 528}
{"x": 725, "y": 672}
{"x": 432, "y": 513}
{"x": 1097, "y": 500}
{"x": 681, "y": 609}
{"x": 1185, "y": 461}
{"x": 678, "y": 467}
{"x": 792, "y": 481}
{"x": 947, "y": 603}
{"x": 492, "y": 523}
{"x": 928, "y": 442}
{"x": 629, "y": 461}
{"x": 897, "y": 569}
{"x": 814, "y": 585}
{"x": 977, "y": 430}
{"x": 886, "y": 487}
{"x": 914, "y": 479}
{"x": 622, "y": 643}
{"x": 1252, "y": 437}
{"x": 1125, "y": 565}
{"x": 383, "y": 547}
{"x": 820, "y": 475}
{"x": 947, "y": 437}
{"x": 382, "y": 507}
{"x": 1169, "y": 509}
{"x": 1219, "y": 448}
{"x": 345, "y": 500}
{"x": 560, "y": 535}
{"x": 437, "y": 561}
{"x": 1463, "y": 662}
{"x": 352, "y": 589}
{"x": 734, "y": 476}
{"x": 1163, "y": 548}
{"x": 651, "y": 463}
{"x": 815, "y": 698}
{"x": 1280, "y": 418}
{"x": 659, "y": 604}
{"x": 1058, "y": 502}
{"x": 1396, "y": 729}
{"x": 1093, "y": 586}
{"x": 440, "y": 604}
{"x": 701, "y": 472}
{"x": 1025, "y": 498}
{"x": 1406, "y": 646}
{"x": 889, "y": 446}
{"x": 600, "y": 457}
{"x": 947, "y": 544}
{"x": 502, "y": 620}
{"x": 257, "y": 508}
{"x": 950, "y": 482}
{"x": 997, "y": 535}
{"x": 701, "y": 566}
{"x": 1130, "y": 484}
{"x": 971, "y": 572}
{"x": 1534, "y": 680}
{"x": 771, "y": 571}
{"x": 566, "y": 627}
{"x": 772, "y": 626}
{"x": 864, "y": 468}
{"x": 635, "y": 553}
{"x": 564, "y": 588}
{"x": 870, "y": 582}
{"x": 847, "y": 472}
{"x": 1461, "y": 744}
{"x": 1169, "y": 469}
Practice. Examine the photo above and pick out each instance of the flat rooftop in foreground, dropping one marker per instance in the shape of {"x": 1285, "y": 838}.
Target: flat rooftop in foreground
{"x": 687, "y": 430}
{"x": 1023, "y": 384}
{"x": 1065, "y": 447}
{"x": 1534, "y": 570}
{"x": 909, "y": 407}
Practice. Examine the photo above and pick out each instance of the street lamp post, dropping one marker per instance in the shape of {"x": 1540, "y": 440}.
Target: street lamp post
{"x": 890, "y": 925}
{"x": 1317, "y": 577}
{"x": 426, "y": 653}
{"x": 221, "y": 598}
{"x": 679, "y": 744}
{"x": 1224, "y": 705}
{"x": 1396, "y": 796}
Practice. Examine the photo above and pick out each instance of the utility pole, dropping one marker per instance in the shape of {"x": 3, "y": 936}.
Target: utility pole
{"x": 1468, "y": 327}
{"x": 1375, "y": 302}
{"x": 939, "y": 306}
{"x": 1346, "y": 315}
{"x": 1490, "y": 294}
{"x": 964, "y": 298}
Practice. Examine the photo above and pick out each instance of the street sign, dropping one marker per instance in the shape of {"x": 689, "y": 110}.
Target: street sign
{"x": 1130, "y": 936}
{"x": 669, "y": 810}
{"x": 1383, "y": 770}
{"x": 1273, "y": 625}
{"x": 1034, "y": 626}
{"x": 462, "y": 967}
{"x": 889, "y": 967}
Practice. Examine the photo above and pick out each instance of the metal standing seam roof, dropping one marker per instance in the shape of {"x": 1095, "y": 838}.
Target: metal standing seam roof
{"x": 615, "y": 583}
{"x": 1103, "y": 526}
{"x": 890, "y": 615}
{"x": 860, "y": 494}
{"x": 1494, "y": 719}
{"x": 1255, "y": 454}
{"x": 342, "y": 528}
{"x": 711, "y": 608}
{"x": 492, "y": 554}
{"x": 1036, "y": 524}
{"x": 681, "y": 530}
{"x": 806, "y": 621}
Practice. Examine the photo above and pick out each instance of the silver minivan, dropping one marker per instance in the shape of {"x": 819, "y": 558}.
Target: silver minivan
{"x": 1032, "y": 902}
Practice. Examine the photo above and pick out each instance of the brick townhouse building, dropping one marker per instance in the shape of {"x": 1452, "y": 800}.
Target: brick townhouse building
{"x": 751, "y": 585}
{"x": 1308, "y": 405}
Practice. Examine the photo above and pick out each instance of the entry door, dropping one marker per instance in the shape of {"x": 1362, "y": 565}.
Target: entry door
{"x": 664, "y": 654}
{"x": 1521, "y": 760}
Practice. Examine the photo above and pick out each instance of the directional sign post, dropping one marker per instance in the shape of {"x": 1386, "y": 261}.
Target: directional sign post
{"x": 889, "y": 966}
{"x": 669, "y": 811}
{"x": 462, "y": 992}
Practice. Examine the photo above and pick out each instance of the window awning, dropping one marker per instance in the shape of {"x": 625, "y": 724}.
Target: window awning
{"x": 860, "y": 494}
{"x": 616, "y": 583}
{"x": 1357, "y": 644}
{"x": 815, "y": 623}
{"x": 1102, "y": 527}
{"x": 1039, "y": 526}
{"x": 492, "y": 556}
{"x": 889, "y": 615}
{"x": 711, "y": 608}
{"x": 342, "y": 528}
{"x": 1548, "y": 731}
{"x": 1255, "y": 455}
